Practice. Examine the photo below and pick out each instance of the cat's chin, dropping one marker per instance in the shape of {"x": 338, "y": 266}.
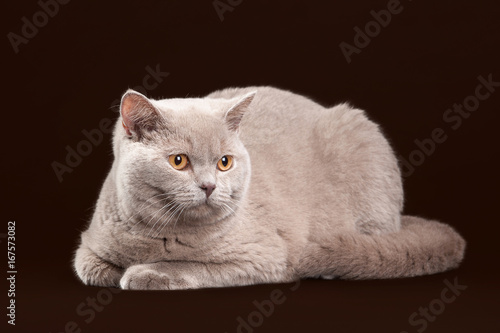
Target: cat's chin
{"x": 205, "y": 213}
{"x": 202, "y": 209}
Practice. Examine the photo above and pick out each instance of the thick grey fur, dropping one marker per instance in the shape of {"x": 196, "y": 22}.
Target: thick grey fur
{"x": 313, "y": 192}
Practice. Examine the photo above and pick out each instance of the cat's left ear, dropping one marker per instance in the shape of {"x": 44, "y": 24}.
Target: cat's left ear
{"x": 138, "y": 115}
{"x": 234, "y": 115}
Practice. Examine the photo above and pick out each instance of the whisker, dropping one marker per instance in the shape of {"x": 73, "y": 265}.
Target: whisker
{"x": 152, "y": 216}
{"x": 162, "y": 198}
{"x": 178, "y": 210}
{"x": 175, "y": 224}
{"x": 225, "y": 210}
{"x": 169, "y": 205}
{"x": 174, "y": 208}
{"x": 228, "y": 207}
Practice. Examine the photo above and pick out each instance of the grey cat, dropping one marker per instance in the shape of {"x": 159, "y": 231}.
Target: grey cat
{"x": 253, "y": 185}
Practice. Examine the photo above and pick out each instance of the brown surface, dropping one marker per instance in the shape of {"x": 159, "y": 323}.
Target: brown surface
{"x": 67, "y": 76}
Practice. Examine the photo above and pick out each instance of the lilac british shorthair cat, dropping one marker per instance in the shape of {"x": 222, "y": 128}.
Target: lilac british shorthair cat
{"x": 253, "y": 185}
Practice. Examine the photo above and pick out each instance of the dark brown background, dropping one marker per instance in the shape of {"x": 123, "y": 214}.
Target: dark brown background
{"x": 65, "y": 79}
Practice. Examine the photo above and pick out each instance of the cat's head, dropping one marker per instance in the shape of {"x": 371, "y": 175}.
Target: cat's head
{"x": 180, "y": 162}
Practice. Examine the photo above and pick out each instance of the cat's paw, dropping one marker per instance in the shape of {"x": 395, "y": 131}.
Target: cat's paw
{"x": 94, "y": 271}
{"x": 149, "y": 277}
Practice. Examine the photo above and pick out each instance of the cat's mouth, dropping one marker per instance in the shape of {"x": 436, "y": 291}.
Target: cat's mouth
{"x": 205, "y": 210}
{"x": 209, "y": 207}
{"x": 205, "y": 203}
{"x": 198, "y": 204}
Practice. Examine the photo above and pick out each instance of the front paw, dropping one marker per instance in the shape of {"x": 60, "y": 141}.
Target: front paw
{"x": 94, "y": 271}
{"x": 149, "y": 277}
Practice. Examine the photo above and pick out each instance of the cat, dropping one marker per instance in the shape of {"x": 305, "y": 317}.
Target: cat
{"x": 249, "y": 186}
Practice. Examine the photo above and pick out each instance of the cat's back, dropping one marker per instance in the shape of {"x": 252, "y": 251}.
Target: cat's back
{"x": 307, "y": 157}
{"x": 285, "y": 123}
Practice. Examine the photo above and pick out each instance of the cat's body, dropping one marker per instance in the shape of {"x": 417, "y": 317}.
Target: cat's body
{"x": 324, "y": 197}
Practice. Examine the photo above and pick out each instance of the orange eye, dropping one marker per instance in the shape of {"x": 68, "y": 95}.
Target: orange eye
{"x": 178, "y": 162}
{"x": 225, "y": 163}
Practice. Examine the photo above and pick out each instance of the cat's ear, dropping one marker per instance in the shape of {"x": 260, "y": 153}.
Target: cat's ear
{"x": 235, "y": 113}
{"x": 139, "y": 116}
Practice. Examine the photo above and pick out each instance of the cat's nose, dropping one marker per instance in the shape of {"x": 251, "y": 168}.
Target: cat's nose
{"x": 208, "y": 188}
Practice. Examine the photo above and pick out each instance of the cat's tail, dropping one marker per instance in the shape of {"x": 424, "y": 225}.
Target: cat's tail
{"x": 420, "y": 247}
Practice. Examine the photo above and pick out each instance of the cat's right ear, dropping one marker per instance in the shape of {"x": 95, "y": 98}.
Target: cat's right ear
{"x": 138, "y": 115}
{"x": 234, "y": 115}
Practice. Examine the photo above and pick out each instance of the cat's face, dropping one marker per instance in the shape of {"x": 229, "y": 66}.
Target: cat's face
{"x": 180, "y": 162}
